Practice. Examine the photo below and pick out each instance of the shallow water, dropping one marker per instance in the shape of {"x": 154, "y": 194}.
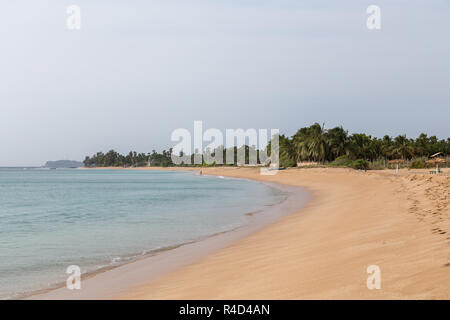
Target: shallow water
{"x": 51, "y": 219}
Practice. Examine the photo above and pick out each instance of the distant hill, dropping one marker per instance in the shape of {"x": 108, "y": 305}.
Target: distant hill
{"x": 63, "y": 164}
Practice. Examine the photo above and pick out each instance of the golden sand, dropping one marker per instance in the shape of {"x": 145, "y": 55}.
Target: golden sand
{"x": 357, "y": 219}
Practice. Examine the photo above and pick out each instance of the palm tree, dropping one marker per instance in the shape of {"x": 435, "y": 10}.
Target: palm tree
{"x": 311, "y": 143}
{"x": 386, "y": 147}
{"x": 300, "y": 144}
{"x": 338, "y": 142}
{"x": 403, "y": 147}
{"x": 361, "y": 146}
{"x": 421, "y": 144}
{"x": 318, "y": 143}
{"x": 286, "y": 151}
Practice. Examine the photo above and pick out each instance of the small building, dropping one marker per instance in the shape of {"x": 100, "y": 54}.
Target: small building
{"x": 437, "y": 155}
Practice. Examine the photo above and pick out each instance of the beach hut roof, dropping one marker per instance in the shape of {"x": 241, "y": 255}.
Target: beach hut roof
{"x": 396, "y": 161}
{"x": 436, "y": 160}
{"x": 436, "y": 155}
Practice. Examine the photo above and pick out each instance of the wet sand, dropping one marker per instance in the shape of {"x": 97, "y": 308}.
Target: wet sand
{"x": 401, "y": 223}
{"x": 357, "y": 219}
{"x": 108, "y": 283}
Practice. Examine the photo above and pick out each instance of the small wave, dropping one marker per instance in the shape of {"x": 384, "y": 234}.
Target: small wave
{"x": 253, "y": 212}
{"x": 116, "y": 259}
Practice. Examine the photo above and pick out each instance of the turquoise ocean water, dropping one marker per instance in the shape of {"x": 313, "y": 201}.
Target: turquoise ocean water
{"x": 51, "y": 219}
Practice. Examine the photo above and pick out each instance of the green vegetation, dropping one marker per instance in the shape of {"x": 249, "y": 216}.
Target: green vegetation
{"x": 335, "y": 147}
{"x": 313, "y": 144}
{"x": 133, "y": 159}
{"x": 418, "y": 164}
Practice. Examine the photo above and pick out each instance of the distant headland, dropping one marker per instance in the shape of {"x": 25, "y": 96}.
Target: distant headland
{"x": 63, "y": 164}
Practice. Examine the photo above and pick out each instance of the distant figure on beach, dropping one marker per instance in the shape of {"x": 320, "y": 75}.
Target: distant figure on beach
{"x": 200, "y": 173}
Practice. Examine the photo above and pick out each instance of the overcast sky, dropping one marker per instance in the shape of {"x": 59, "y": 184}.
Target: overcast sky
{"x": 137, "y": 70}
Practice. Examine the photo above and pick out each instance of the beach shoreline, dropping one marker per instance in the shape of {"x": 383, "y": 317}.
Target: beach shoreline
{"x": 100, "y": 284}
{"x": 356, "y": 219}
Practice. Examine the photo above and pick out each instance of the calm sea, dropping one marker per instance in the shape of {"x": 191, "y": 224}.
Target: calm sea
{"x": 51, "y": 219}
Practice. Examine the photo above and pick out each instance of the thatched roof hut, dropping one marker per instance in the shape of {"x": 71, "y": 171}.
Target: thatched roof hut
{"x": 436, "y": 161}
{"x": 436, "y": 155}
{"x": 396, "y": 162}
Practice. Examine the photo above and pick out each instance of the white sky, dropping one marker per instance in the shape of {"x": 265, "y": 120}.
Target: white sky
{"x": 137, "y": 70}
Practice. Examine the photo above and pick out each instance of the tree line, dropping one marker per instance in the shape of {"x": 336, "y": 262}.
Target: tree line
{"x": 337, "y": 146}
{"x": 315, "y": 143}
{"x": 132, "y": 159}
{"x": 164, "y": 159}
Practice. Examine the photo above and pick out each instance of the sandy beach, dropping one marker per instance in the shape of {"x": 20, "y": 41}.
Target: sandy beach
{"x": 225, "y": 150}
{"x": 399, "y": 223}
{"x": 357, "y": 219}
